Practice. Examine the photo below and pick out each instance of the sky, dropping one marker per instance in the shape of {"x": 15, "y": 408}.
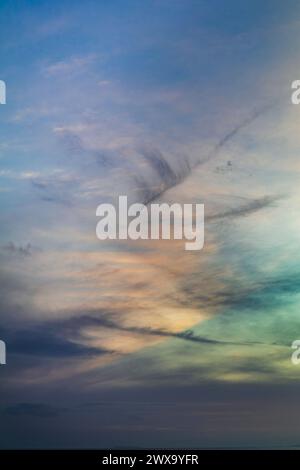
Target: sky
{"x": 136, "y": 344}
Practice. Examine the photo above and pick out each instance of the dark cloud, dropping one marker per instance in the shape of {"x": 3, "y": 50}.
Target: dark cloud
{"x": 75, "y": 325}
{"x": 144, "y": 183}
{"x": 25, "y": 250}
{"x": 169, "y": 178}
{"x": 244, "y": 295}
{"x": 54, "y": 190}
{"x": 40, "y": 410}
{"x": 77, "y": 149}
{"x": 249, "y": 365}
{"x": 166, "y": 176}
{"x": 235, "y": 131}
{"x": 46, "y": 340}
{"x": 253, "y": 206}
